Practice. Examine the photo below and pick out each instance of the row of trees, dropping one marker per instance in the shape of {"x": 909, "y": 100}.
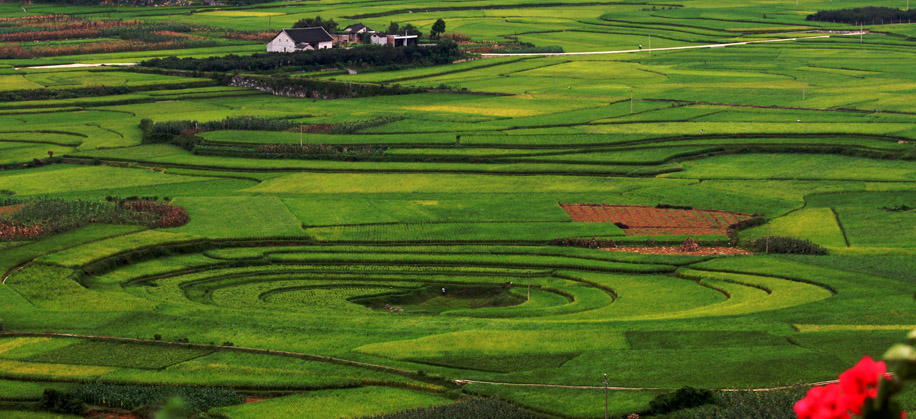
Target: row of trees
{"x": 864, "y": 15}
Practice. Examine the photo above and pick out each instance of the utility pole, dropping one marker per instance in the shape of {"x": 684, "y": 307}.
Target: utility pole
{"x": 300, "y": 135}
{"x": 605, "y": 396}
{"x": 529, "y": 285}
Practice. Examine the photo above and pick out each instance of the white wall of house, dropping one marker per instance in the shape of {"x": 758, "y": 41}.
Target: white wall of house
{"x": 379, "y": 40}
{"x": 282, "y": 43}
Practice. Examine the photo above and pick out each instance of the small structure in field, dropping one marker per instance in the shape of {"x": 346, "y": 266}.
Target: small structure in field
{"x": 690, "y": 245}
{"x": 394, "y": 40}
{"x": 300, "y": 39}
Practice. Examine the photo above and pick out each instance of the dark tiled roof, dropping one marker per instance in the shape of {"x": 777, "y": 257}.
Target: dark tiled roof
{"x": 356, "y": 27}
{"x": 309, "y": 35}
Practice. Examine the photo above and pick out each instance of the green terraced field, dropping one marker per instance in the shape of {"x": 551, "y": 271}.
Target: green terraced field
{"x": 416, "y": 260}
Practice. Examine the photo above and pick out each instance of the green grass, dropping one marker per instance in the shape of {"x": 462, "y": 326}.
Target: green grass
{"x": 336, "y": 404}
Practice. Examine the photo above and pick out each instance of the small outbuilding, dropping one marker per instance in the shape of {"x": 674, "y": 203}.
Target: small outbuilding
{"x": 300, "y": 39}
{"x": 394, "y": 40}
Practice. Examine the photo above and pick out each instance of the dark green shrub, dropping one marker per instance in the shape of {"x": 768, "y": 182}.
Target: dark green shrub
{"x": 198, "y": 399}
{"x": 782, "y": 244}
{"x": 60, "y": 402}
{"x": 467, "y": 408}
{"x": 683, "y": 398}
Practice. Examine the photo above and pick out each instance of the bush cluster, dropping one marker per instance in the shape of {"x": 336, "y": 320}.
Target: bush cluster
{"x": 467, "y": 408}
{"x": 782, "y": 244}
{"x": 199, "y": 399}
{"x": 683, "y": 398}
{"x": 318, "y": 89}
{"x": 366, "y": 56}
{"x": 864, "y": 15}
{"x": 165, "y": 131}
{"x": 592, "y": 243}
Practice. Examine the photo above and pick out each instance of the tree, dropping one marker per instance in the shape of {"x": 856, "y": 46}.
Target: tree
{"x": 329, "y": 25}
{"x": 437, "y": 28}
{"x": 409, "y": 29}
{"x": 393, "y": 28}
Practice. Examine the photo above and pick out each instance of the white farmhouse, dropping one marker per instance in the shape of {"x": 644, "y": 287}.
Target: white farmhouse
{"x": 300, "y": 39}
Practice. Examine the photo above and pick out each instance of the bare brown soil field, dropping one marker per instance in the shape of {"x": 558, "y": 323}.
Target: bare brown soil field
{"x": 643, "y": 220}
{"x": 674, "y": 250}
{"x": 10, "y": 209}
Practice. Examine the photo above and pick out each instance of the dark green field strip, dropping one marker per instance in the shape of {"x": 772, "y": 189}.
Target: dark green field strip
{"x": 122, "y": 355}
{"x": 787, "y": 278}
{"x": 699, "y": 278}
{"x": 505, "y": 261}
{"x": 568, "y": 253}
{"x": 332, "y": 272}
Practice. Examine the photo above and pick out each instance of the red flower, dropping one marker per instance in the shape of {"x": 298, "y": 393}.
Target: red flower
{"x": 861, "y": 382}
{"x": 824, "y": 402}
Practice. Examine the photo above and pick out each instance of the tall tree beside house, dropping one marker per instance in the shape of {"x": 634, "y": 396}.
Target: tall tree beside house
{"x": 329, "y": 25}
{"x": 409, "y": 29}
{"x": 393, "y": 28}
{"x": 437, "y": 29}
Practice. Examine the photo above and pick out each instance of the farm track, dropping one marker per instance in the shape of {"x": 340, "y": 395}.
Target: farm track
{"x": 630, "y": 51}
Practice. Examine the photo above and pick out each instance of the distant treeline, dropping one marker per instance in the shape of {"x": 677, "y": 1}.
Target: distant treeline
{"x": 864, "y": 15}
{"x": 360, "y": 57}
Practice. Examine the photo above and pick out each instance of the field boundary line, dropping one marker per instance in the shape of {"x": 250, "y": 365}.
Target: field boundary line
{"x": 839, "y": 224}
{"x": 460, "y": 382}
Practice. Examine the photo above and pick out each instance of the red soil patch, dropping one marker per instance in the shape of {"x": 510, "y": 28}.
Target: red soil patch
{"x": 254, "y": 399}
{"x": 672, "y": 250}
{"x": 102, "y": 414}
{"x": 644, "y": 220}
{"x": 10, "y": 209}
